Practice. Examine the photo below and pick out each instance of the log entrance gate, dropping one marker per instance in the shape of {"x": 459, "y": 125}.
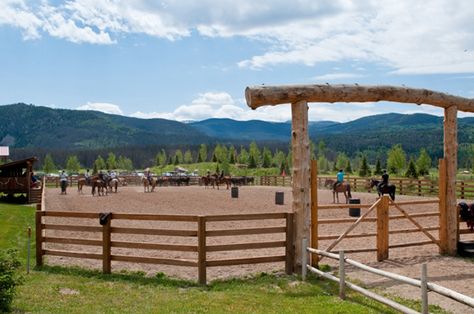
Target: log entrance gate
{"x": 299, "y": 96}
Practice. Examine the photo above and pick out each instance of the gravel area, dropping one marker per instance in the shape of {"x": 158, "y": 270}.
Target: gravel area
{"x": 454, "y": 273}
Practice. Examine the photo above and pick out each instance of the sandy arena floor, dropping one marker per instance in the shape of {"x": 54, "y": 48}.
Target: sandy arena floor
{"x": 454, "y": 273}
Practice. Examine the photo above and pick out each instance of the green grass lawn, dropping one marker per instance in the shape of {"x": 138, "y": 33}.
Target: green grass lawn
{"x": 72, "y": 290}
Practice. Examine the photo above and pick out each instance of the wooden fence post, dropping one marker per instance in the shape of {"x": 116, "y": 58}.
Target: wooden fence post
{"x": 342, "y": 276}
{"x": 382, "y": 229}
{"x": 314, "y": 211}
{"x": 443, "y": 233}
{"x": 462, "y": 189}
{"x": 401, "y": 186}
{"x": 419, "y": 187}
{"x": 424, "y": 289}
{"x": 304, "y": 259}
{"x": 290, "y": 247}
{"x": 202, "y": 276}
{"x": 106, "y": 244}
{"x": 39, "y": 235}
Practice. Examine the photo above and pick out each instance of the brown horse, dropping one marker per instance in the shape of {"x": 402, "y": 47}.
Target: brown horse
{"x": 146, "y": 184}
{"x": 80, "y": 184}
{"x": 100, "y": 185}
{"x": 344, "y": 187}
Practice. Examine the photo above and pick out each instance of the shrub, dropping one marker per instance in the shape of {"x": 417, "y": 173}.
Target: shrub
{"x": 9, "y": 278}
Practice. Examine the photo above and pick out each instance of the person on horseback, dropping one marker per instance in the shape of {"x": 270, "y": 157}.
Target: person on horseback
{"x": 339, "y": 179}
{"x": 384, "y": 182}
{"x": 101, "y": 176}
{"x": 63, "y": 180}
{"x": 87, "y": 176}
{"x": 147, "y": 175}
{"x": 113, "y": 175}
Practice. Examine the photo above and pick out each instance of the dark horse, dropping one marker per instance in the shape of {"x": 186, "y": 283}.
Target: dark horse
{"x": 386, "y": 189}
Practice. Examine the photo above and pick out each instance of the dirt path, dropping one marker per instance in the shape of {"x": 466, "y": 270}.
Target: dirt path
{"x": 454, "y": 273}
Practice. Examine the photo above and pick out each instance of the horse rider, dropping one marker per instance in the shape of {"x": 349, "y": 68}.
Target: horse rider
{"x": 339, "y": 179}
{"x": 384, "y": 182}
{"x": 87, "y": 176}
{"x": 101, "y": 176}
{"x": 113, "y": 175}
{"x": 148, "y": 175}
{"x": 63, "y": 181}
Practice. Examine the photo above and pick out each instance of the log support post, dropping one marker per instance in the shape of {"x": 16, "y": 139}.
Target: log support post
{"x": 443, "y": 235}
{"x": 450, "y": 155}
{"x": 382, "y": 229}
{"x": 314, "y": 211}
{"x": 301, "y": 176}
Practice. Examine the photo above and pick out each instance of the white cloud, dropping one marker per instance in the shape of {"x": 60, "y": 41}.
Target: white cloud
{"x": 406, "y": 36}
{"x": 222, "y": 105}
{"x": 336, "y": 76}
{"x": 103, "y": 107}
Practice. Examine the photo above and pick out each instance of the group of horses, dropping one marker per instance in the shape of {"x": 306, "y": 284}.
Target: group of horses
{"x": 215, "y": 180}
{"x": 100, "y": 186}
{"x": 345, "y": 188}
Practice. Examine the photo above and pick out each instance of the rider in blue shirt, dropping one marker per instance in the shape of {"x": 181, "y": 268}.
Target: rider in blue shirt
{"x": 340, "y": 178}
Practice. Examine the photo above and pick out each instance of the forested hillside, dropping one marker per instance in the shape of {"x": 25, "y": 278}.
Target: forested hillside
{"x": 27, "y": 126}
{"x": 32, "y": 130}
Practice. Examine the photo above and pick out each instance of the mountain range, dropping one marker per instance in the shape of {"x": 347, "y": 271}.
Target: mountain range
{"x": 29, "y": 126}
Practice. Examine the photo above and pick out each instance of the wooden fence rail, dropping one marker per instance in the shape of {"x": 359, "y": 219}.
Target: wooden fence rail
{"x": 200, "y": 232}
{"x": 404, "y": 186}
{"x": 423, "y": 283}
{"x": 380, "y": 218}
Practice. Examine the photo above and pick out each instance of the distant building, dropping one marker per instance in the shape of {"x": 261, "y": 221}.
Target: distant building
{"x": 4, "y": 153}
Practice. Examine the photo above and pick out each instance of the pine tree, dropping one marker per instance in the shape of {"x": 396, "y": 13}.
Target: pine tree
{"x": 364, "y": 170}
{"x": 423, "y": 163}
{"x": 72, "y": 164}
{"x": 48, "y": 164}
{"x": 100, "y": 163}
{"x": 217, "y": 168}
{"x": 396, "y": 159}
{"x": 94, "y": 169}
{"x": 378, "y": 168}
{"x": 111, "y": 161}
{"x": 348, "y": 167}
{"x": 252, "y": 163}
{"x": 411, "y": 171}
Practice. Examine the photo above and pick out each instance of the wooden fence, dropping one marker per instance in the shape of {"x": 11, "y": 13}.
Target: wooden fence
{"x": 199, "y": 234}
{"x": 423, "y": 284}
{"x": 382, "y": 231}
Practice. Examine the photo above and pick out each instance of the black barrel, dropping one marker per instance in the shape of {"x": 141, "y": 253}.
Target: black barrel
{"x": 354, "y": 211}
{"x": 279, "y": 198}
{"x": 234, "y": 192}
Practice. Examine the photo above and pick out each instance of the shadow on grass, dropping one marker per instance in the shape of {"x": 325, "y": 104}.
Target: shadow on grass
{"x": 137, "y": 277}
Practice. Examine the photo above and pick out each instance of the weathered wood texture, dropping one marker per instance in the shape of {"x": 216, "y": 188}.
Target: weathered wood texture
{"x": 314, "y": 211}
{"x": 450, "y": 155}
{"x": 258, "y": 96}
{"x": 301, "y": 176}
{"x": 200, "y": 233}
{"x": 382, "y": 229}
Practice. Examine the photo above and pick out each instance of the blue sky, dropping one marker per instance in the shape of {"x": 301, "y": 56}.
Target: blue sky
{"x": 191, "y": 60}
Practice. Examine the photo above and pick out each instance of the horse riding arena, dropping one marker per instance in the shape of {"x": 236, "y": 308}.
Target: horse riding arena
{"x": 454, "y": 273}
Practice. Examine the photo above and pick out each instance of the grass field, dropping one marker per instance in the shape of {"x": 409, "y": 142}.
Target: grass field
{"x": 74, "y": 290}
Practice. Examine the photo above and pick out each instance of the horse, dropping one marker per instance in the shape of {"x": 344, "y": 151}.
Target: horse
{"x": 344, "y": 187}
{"x": 386, "y": 189}
{"x": 227, "y": 180}
{"x": 63, "y": 186}
{"x": 466, "y": 213}
{"x": 101, "y": 186}
{"x": 146, "y": 184}
{"x": 81, "y": 182}
{"x": 113, "y": 184}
